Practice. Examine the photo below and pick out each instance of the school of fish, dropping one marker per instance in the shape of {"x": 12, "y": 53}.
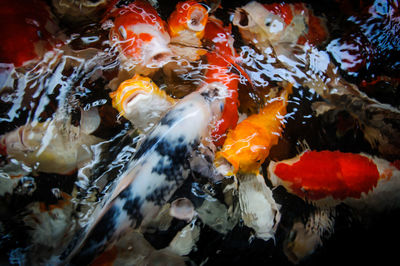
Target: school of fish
{"x": 116, "y": 122}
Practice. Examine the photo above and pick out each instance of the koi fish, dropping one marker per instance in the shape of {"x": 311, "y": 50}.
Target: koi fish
{"x": 186, "y": 25}
{"x": 29, "y": 31}
{"x": 141, "y": 37}
{"x": 220, "y": 60}
{"x": 271, "y": 24}
{"x": 247, "y": 146}
{"x": 158, "y": 168}
{"x": 52, "y": 146}
{"x": 245, "y": 149}
{"x": 141, "y": 101}
{"x": 327, "y": 178}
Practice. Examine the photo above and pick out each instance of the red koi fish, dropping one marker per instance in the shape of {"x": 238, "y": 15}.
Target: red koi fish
{"x": 221, "y": 60}
{"x": 26, "y": 31}
{"x": 140, "y": 35}
{"x": 328, "y": 178}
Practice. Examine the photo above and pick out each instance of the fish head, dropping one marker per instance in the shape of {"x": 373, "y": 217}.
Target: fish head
{"x": 140, "y": 34}
{"x": 257, "y": 23}
{"x": 272, "y": 24}
{"x": 129, "y": 92}
{"x": 188, "y": 16}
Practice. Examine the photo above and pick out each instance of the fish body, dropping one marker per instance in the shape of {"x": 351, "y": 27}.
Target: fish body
{"x": 141, "y": 101}
{"x": 247, "y": 146}
{"x": 220, "y": 61}
{"x": 327, "y": 178}
{"x": 158, "y": 168}
{"x": 141, "y": 36}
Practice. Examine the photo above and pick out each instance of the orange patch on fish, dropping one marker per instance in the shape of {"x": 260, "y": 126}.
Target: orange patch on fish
{"x": 247, "y": 146}
{"x": 316, "y": 175}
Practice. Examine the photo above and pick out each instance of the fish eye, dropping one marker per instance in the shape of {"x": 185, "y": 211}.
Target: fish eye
{"x": 268, "y": 22}
{"x": 122, "y": 32}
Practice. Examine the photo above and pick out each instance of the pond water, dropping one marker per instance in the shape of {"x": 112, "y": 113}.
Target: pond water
{"x": 66, "y": 146}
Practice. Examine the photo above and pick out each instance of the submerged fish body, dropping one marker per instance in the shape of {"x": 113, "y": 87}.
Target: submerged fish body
{"x": 141, "y": 101}
{"x": 221, "y": 60}
{"x": 327, "y": 178}
{"x": 141, "y": 37}
{"x": 158, "y": 168}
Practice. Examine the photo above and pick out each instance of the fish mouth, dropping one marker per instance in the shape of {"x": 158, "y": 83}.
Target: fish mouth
{"x": 197, "y": 19}
{"x": 242, "y": 18}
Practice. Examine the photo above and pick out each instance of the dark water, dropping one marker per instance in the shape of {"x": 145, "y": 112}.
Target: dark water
{"x": 70, "y": 83}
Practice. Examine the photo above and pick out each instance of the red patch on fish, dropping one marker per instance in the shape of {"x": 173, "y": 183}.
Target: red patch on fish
{"x": 317, "y": 175}
{"x": 125, "y": 18}
{"x": 220, "y": 63}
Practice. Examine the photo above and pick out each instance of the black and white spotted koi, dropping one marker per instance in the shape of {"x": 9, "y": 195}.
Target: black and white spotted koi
{"x": 159, "y": 167}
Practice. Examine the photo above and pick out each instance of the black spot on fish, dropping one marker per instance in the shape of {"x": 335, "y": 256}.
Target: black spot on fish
{"x": 174, "y": 159}
{"x": 159, "y": 195}
{"x": 132, "y": 206}
{"x": 171, "y": 117}
{"x": 146, "y": 146}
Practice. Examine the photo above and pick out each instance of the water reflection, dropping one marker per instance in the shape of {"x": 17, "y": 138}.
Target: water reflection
{"x": 63, "y": 146}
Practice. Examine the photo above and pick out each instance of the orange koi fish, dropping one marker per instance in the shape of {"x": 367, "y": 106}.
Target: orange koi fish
{"x": 328, "y": 178}
{"x": 271, "y": 24}
{"x": 141, "y": 101}
{"x": 221, "y": 60}
{"x": 189, "y": 19}
{"x": 186, "y": 26}
{"x": 26, "y": 31}
{"x": 140, "y": 35}
{"x": 247, "y": 146}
